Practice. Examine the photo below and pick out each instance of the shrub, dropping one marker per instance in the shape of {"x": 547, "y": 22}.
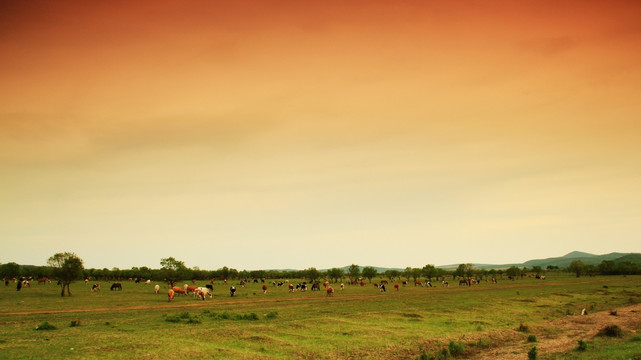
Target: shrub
{"x": 250, "y": 316}
{"x": 185, "y": 315}
{"x": 482, "y": 343}
{"x": 523, "y": 328}
{"x": 531, "y": 338}
{"x": 193, "y": 320}
{"x": 75, "y": 323}
{"x": 533, "y": 353}
{"x": 611, "y": 331}
{"x": 45, "y": 326}
{"x": 456, "y": 349}
{"x": 271, "y": 315}
{"x": 613, "y": 312}
{"x": 582, "y": 345}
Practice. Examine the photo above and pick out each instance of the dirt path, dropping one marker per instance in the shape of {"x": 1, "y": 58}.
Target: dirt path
{"x": 561, "y": 335}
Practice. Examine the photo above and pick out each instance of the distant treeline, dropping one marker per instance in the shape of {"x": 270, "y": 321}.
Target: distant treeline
{"x": 13, "y": 270}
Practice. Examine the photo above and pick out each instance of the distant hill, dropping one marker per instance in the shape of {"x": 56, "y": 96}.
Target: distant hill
{"x": 561, "y": 261}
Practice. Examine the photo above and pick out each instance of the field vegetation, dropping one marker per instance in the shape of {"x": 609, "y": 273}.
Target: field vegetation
{"x": 359, "y": 322}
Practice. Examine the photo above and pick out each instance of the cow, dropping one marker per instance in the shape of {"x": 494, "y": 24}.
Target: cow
{"x": 397, "y": 287}
{"x": 210, "y": 287}
{"x": 303, "y": 286}
{"x": 157, "y": 289}
{"x": 232, "y": 290}
{"x": 316, "y": 286}
{"x": 264, "y": 289}
{"x": 148, "y": 282}
{"x": 170, "y": 294}
{"x": 445, "y": 284}
{"x": 326, "y": 284}
{"x": 115, "y": 286}
{"x": 179, "y": 290}
{"x": 95, "y": 287}
{"x": 86, "y": 281}
{"x": 342, "y": 286}
{"x": 291, "y": 287}
{"x": 26, "y": 283}
{"x": 404, "y": 283}
{"x": 382, "y": 288}
{"x": 189, "y": 289}
{"x": 44, "y": 281}
{"x": 363, "y": 283}
{"x": 462, "y": 282}
{"x": 6, "y": 283}
{"x": 383, "y": 281}
{"x": 330, "y": 291}
{"x": 202, "y": 292}
{"x": 418, "y": 283}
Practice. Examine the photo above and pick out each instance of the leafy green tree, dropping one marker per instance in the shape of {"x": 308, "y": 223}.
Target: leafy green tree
{"x": 537, "y": 270}
{"x": 460, "y": 270}
{"x": 369, "y": 272}
{"x": 607, "y": 267}
{"x": 429, "y": 271}
{"x": 173, "y": 270}
{"x": 335, "y": 273}
{"x": 415, "y": 273}
{"x": 513, "y": 271}
{"x": 312, "y": 274}
{"x": 66, "y": 267}
{"x": 9, "y": 270}
{"x": 392, "y": 274}
{"x": 469, "y": 270}
{"x": 407, "y": 272}
{"x": 354, "y": 272}
{"x": 577, "y": 267}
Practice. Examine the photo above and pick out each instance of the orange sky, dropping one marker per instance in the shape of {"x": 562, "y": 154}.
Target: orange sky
{"x": 379, "y": 133}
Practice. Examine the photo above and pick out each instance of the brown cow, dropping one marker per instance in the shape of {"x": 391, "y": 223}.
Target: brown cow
{"x": 264, "y": 289}
{"x": 363, "y": 283}
{"x": 171, "y": 294}
{"x": 418, "y": 283}
{"x": 179, "y": 290}
{"x": 397, "y": 287}
{"x": 326, "y": 284}
{"x": 291, "y": 287}
{"x": 189, "y": 289}
{"x": 330, "y": 291}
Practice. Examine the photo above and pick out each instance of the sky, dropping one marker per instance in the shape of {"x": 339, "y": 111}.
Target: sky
{"x": 297, "y": 134}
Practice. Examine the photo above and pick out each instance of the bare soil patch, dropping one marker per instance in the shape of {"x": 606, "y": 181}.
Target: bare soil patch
{"x": 561, "y": 335}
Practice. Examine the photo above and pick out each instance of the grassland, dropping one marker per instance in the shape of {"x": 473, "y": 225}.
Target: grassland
{"x": 357, "y": 323}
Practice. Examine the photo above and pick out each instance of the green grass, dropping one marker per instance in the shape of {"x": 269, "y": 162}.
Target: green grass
{"x": 252, "y": 325}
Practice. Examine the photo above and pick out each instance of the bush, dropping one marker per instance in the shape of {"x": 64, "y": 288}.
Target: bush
{"x": 456, "y": 349}
{"x": 75, "y": 323}
{"x": 531, "y": 338}
{"x": 582, "y": 345}
{"x": 250, "y": 316}
{"x": 45, "y": 326}
{"x": 611, "y": 331}
{"x": 482, "y": 343}
{"x": 613, "y": 312}
{"x": 533, "y": 353}
{"x": 271, "y": 315}
{"x": 523, "y": 328}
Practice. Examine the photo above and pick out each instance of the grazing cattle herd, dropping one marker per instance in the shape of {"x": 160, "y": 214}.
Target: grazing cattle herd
{"x": 202, "y": 293}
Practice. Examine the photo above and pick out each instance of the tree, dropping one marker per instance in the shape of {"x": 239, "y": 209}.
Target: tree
{"x": 9, "y": 270}
{"x": 577, "y": 267}
{"x": 67, "y": 267}
{"x": 354, "y": 272}
{"x": 460, "y": 270}
{"x": 335, "y": 273}
{"x": 173, "y": 270}
{"x": 369, "y": 272}
{"x": 513, "y": 272}
{"x": 416, "y": 273}
{"x": 312, "y": 274}
{"x": 429, "y": 271}
{"x": 537, "y": 270}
